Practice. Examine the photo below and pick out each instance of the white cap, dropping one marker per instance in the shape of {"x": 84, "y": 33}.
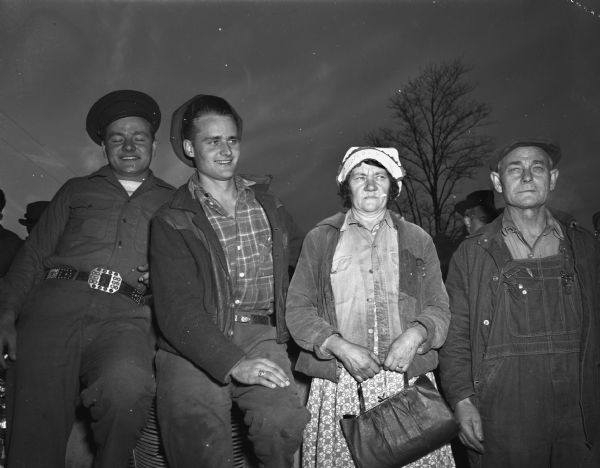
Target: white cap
{"x": 387, "y": 157}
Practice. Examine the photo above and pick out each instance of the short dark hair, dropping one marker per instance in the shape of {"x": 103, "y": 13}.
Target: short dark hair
{"x": 346, "y": 194}
{"x": 2, "y": 200}
{"x": 204, "y": 105}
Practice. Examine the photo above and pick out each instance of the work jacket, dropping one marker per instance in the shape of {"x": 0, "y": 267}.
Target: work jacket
{"x": 193, "y": 291}
{"x": 311, "y": 315}
{"x": 474, "y": 284}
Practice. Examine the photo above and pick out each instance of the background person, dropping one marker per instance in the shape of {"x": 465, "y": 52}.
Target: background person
{"x": 366, "y": 304}
{"x": 72, "y": 315}
{"x": 477, "y": 210}
{"x": 33, "y": 212}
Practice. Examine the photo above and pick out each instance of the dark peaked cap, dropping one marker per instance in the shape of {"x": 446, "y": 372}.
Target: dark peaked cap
{"x": 33, "y": 212}
{"x": 551, "y": 148}
{"x": 119, "y": 104}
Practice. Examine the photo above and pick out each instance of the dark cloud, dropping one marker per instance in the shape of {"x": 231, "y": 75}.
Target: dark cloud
{"x": 310, "y": 79}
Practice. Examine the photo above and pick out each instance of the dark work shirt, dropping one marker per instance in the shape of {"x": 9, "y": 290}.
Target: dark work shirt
{"x": 9, "y": 245}
{"x": 91, "y": 222}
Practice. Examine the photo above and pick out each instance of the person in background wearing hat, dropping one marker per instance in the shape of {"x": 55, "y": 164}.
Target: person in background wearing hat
{"x": 219, "y": 258}
{"x": 33, "y": 212}
{"x": 9, "y": 241}
{"x": 520, "y": 364}
{"x": 73, "y": 321}
{"x": 477, "y": 210}
{"x": 366, "y": 303}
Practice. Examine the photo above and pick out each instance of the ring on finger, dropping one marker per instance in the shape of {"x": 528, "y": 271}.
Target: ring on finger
{"x": 261, "y": 372}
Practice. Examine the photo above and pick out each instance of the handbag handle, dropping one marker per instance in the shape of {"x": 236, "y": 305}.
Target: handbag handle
{"x": 361, "y": 398}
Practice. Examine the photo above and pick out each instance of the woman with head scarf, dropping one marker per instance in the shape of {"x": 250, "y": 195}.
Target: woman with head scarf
{"x": 366, "y": 304}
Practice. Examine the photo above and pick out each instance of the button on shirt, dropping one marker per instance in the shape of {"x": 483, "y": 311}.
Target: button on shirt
{"x": 364, "y": 279}
{"x": 547, "y": 244}
{"x": 247, "y": 243}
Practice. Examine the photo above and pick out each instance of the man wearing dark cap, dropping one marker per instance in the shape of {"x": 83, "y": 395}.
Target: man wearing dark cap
{"x": 477, "y": 210}
{"x": 73, "y": 319}
{"x": 521, "y": 361}
{"x": 33, "y": 212}
{"x": 219, "y": 258}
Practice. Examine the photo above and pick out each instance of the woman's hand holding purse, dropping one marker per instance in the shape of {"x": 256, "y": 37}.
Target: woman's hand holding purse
{"x": 404, "y": 348}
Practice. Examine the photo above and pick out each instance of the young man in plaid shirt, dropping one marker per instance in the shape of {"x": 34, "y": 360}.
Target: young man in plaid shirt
{"x": 220, "y": 252}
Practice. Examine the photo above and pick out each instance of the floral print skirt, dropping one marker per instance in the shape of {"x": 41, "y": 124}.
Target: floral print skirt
{"x": 324, "y": 445}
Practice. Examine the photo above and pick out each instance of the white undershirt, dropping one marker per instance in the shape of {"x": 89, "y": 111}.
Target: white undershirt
{"x": 130, "y": 185}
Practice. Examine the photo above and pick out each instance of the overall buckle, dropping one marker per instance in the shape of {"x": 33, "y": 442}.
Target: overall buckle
{"x": 105, "y": 280}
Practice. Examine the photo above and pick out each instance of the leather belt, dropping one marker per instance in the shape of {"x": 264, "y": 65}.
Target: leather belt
{"x": 256, "y": 319}
{"x": 101, "y": 279}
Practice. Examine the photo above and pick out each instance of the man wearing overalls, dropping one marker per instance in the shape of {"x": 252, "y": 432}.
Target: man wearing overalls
{"x": 521, "y": 362}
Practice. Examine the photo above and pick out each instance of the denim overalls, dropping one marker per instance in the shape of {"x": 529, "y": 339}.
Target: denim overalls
{"x": 528, "y": 387}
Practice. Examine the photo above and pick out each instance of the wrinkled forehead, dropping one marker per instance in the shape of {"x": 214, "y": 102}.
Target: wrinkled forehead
{"x": 368, "y": 167}
{"x": 526, "y": 155}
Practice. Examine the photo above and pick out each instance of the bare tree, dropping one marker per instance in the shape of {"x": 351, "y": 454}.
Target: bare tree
{"x": 439, "y": 141}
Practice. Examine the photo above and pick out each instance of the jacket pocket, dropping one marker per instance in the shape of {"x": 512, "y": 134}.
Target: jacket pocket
{"x": 89, "y": 219}
{"x": 412, "y": 271}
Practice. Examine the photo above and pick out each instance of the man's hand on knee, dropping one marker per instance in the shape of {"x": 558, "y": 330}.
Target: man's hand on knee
{"x": 259, "y": 371}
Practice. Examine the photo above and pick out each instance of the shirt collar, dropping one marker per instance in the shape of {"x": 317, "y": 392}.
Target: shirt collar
{"x": 107, "y": 172}
{"x": 552, "y": 225}
{"x": 351, "y": 220}
{"x": 198, "y": 192}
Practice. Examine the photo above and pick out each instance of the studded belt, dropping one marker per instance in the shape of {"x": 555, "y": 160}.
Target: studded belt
{"x": 101, "y": 279}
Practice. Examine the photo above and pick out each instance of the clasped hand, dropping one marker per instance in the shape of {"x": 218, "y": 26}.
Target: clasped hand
{"x": 363, "y": 364}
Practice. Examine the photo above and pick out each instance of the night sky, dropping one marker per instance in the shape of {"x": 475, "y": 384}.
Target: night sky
{"x": 310, "y": 80}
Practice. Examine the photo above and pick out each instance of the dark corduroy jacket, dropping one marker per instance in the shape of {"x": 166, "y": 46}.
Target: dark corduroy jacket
{"x": 192, "y": 287}
{"x": 473, "y": 284}
{"x": 311, "y": 307}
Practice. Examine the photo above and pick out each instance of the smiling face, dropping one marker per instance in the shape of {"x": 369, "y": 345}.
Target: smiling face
{"x": 129, "y": 146}
{"x": 525, "y": 177}
{"x": 370, "y": 187}
{"x": 215, "y": 147}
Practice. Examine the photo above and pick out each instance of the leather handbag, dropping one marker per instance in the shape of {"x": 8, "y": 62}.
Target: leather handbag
{"x": 400, "y": 429}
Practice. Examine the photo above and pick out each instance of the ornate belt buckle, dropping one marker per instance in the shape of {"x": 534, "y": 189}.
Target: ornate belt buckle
{"x": 105, "y": 280}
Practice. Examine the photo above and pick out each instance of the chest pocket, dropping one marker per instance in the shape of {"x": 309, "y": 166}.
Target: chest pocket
{"x": 89, "y": 219}
{"x": 265, "y": 256}
{"x": 539, "y": 301}
{"x": 342, "y": 279}
{"x": 412, "y": 271}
